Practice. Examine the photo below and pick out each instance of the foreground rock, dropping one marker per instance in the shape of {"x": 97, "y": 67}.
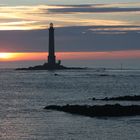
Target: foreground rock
{"x": 121, "y": 98}
{"x": 98, "y": 110}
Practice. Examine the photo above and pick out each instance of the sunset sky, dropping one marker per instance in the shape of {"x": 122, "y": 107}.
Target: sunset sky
{"x": 103, "y": 33}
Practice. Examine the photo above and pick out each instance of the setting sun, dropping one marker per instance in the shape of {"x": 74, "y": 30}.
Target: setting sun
{"x": 5, "y": 55}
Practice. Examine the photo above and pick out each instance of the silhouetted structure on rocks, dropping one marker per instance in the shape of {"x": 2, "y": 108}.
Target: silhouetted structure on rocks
{"x": 51, "y": 64}
{"x": 51, "y": 52}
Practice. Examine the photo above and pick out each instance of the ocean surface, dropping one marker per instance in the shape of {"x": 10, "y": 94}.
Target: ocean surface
{"x": 24, "y": 94}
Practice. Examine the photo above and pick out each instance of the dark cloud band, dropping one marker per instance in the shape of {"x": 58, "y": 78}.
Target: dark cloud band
{"x": 83, "y": 38}
{"x": 91, "y": 9}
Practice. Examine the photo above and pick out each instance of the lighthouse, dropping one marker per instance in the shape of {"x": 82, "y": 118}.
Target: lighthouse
{"x": 51, "y": 64}
{"x": 51, "y": 51}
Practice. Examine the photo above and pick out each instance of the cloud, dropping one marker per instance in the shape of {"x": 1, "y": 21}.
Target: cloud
{"x": 100, "y": 27}
{"x": 92, "y": 9}
{"x": 39, "y": 16}
{"x": 72, "y": 39}
{"x": 97, "y": 8}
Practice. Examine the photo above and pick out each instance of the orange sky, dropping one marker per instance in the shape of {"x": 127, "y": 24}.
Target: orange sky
{"x": 71, "y": 55}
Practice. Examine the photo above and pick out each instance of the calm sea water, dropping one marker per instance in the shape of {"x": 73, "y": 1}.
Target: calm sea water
{"x": 24, "y": 94}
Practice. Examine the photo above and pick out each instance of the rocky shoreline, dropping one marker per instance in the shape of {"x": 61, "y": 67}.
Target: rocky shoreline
{"x": 116, "y": 110}
{"x": 121, "y": 98}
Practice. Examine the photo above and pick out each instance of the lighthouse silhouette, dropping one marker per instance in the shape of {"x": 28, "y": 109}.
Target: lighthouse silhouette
{"x": 51, "y": 51}
{"x": 51, "y": 64}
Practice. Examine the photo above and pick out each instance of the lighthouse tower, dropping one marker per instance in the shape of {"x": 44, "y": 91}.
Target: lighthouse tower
{"x": 52, "y": 64}
{"x": 51, "y": 56}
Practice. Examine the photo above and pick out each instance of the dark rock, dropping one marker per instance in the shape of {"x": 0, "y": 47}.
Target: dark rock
{"x": 121, "y": 98}
{"x": 98, "y": 110}
{"x": 46, "y": 66}
{"x": 103, "y": 75}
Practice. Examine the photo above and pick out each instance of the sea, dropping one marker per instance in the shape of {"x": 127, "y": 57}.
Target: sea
{"x": 24, "y": 94}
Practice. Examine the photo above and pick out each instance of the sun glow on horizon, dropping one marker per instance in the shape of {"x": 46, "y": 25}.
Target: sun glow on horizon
{"x": 6, "y": 55}
{"x": 34, "y": 56}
